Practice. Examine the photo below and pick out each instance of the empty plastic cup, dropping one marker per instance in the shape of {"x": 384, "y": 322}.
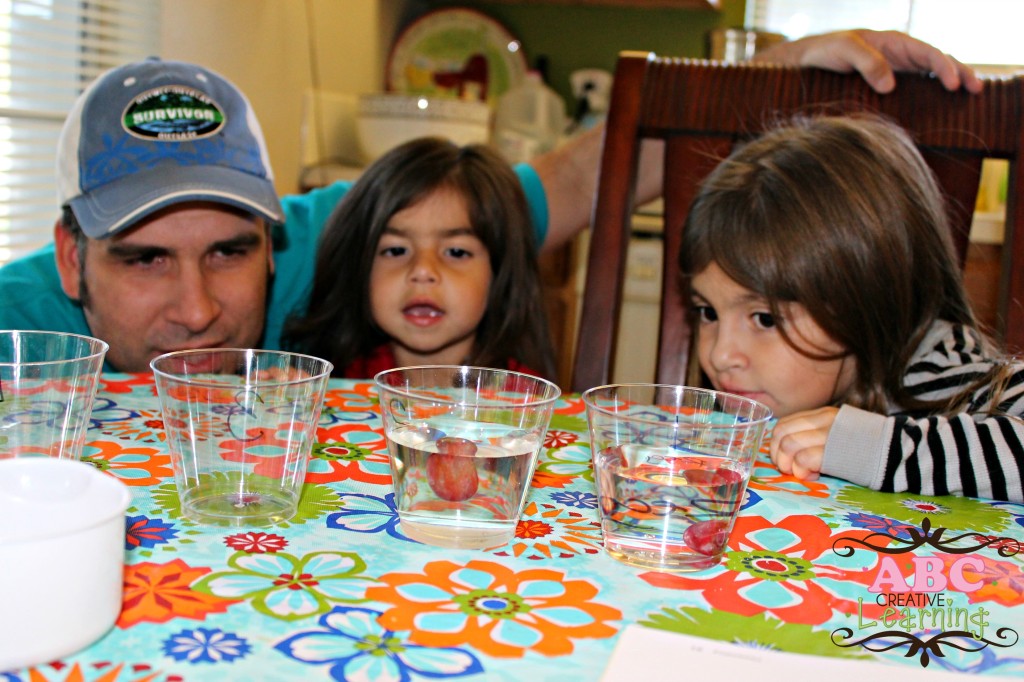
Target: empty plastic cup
{"x": 240, "y": 425}
{"x": 48, "y": 384}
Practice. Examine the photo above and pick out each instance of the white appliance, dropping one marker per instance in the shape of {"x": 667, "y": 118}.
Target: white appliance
{"x": 636, "y": 353}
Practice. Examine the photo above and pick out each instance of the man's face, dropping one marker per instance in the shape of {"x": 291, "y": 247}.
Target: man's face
{"x": 194, "y": 275}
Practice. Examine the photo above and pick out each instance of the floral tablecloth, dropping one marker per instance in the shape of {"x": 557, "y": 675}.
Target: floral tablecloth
{"x": 340, "y": 593}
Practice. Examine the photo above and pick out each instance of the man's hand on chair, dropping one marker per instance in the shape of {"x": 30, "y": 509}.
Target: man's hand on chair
{"x": 875, "y": 55}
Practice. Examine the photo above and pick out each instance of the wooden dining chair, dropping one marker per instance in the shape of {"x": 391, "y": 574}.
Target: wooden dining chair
{"x": 701, "y": 109}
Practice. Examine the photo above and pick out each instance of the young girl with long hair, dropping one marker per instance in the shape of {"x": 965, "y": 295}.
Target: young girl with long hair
{"x": 824, "y": 283}
{"x": 429, "y": 259}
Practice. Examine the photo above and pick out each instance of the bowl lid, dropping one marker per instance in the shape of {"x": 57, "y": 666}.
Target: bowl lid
{"x": 45, "y": 497}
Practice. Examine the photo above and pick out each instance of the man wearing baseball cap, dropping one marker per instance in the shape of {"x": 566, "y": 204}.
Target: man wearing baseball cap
{"x": 167, "y": 199}
{"x": 171, "y": 235}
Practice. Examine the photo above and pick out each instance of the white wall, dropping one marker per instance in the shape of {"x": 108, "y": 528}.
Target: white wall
{"x": 267, "y": 49}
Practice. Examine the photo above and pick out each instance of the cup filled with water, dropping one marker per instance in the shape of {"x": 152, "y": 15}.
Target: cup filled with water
{"x": 463, "y": 443}
{"x": 240, "y": 426}
{"x": 671, "y": 468}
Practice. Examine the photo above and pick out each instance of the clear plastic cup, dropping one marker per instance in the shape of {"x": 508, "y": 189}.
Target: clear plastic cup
{"x": 671, "y": 467}
{"x": 464, "y": 443}
{"x": 240, "y": 426}
{"x": 48, "y": 384}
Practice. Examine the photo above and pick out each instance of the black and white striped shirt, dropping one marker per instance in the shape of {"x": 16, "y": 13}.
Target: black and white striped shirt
{"x": 978, "y": 452}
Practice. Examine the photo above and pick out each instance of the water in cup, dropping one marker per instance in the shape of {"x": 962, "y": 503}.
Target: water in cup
{"x": 671, "y": 467}
{"x": 463, "y": 444}
{"x": 459, "y": 493}
{"x": 660, "y": 505}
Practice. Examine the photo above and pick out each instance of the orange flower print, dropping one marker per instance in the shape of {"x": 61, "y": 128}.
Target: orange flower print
{"x": 358, "y": 396}
{"x": 104, "y": 673}
{"x": 491, "y": 607}
{"x": 787, "y": 570}
{"x": 548, "y": 531}
{"x": 349, "y": 452}
{"x": 146, "y": 426}
{"x": 542, "y": 479}
{"x": 765, "y": 476}
{"x": 270, "y": 451}
{"x": 528, "y": 529}
{"x": 134, "y": 466}
{"x": 570, "y": 405}
{"x": 156, "y": 593}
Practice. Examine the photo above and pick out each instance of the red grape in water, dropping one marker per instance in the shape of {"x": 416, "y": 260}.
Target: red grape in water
{"x": 615, "y": 455}
{"x": 707, "y": 537}
{"x": 728, "y": 477}
{"x": 451, "y": 471}
{"x": 712, "y": 478}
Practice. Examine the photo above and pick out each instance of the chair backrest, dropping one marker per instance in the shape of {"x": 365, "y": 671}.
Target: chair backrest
{"x": 700, "y": 109}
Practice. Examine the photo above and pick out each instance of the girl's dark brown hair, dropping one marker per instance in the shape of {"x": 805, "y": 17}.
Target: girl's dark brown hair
{"x": 339, "y": 326}
{"x": 843, "y": 216}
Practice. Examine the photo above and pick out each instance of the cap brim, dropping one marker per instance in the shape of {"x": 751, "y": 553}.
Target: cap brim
{"x": 109, "y": 209}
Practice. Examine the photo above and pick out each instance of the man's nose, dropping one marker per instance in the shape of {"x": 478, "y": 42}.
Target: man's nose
{"x": 193, "y": 305}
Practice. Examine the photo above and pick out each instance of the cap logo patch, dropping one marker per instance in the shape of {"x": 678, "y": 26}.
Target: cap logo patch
{"x": 173, "y": 113}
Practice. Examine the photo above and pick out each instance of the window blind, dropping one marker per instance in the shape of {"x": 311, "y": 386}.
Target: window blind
{"x": 975, "y": 32}
{"x": 49, "y": 51}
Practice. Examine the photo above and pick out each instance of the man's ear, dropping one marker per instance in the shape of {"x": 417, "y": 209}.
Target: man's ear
{"x": 69, "y": 265}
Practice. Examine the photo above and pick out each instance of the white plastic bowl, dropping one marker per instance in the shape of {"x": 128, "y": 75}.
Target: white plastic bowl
{"x": 386, "y": 120}
{"x": 61, "y": 557}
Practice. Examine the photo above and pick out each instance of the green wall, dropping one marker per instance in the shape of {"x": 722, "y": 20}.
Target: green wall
{"x": 575, "y": 37}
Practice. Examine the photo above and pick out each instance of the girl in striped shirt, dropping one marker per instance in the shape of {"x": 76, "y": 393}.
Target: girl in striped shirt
{"x": 824, "y": 283}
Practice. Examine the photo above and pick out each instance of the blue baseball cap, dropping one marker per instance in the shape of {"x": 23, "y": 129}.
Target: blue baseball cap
{"x": 151, "y": 134}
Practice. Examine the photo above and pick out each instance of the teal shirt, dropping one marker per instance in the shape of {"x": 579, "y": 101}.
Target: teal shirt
{"x": 31, "y": 296}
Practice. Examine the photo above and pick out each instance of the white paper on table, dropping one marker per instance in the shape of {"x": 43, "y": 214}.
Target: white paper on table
{"x": 660, "y": 656}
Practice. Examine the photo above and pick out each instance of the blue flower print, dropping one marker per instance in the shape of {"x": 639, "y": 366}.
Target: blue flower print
{"x": 575, "y": 498}
{"x": 205, "y": 646}
{"x": 880, "y": 524}
{"x": 368, "y": 514}
{"x": 358, "y": 648}
{"x": 106, "y": 410}
{"x": 750, "y": 499}
{"x": 143, "y": 531}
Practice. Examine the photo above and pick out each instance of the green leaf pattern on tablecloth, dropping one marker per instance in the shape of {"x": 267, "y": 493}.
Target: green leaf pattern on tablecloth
{"x": 564, "y": 422}
{"x": 761, "y": 632}
{"x": 316, "y": 501}
{"x": 946, "y": 511}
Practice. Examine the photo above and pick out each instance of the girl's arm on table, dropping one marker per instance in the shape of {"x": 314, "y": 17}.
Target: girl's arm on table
{"x": 978, "y": 452}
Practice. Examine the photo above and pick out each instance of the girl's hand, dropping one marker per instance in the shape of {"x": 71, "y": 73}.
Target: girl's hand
{"x": 798, "y": 442}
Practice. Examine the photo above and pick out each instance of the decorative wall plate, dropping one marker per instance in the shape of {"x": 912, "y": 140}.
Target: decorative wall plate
{"x": 460, "y": 53}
